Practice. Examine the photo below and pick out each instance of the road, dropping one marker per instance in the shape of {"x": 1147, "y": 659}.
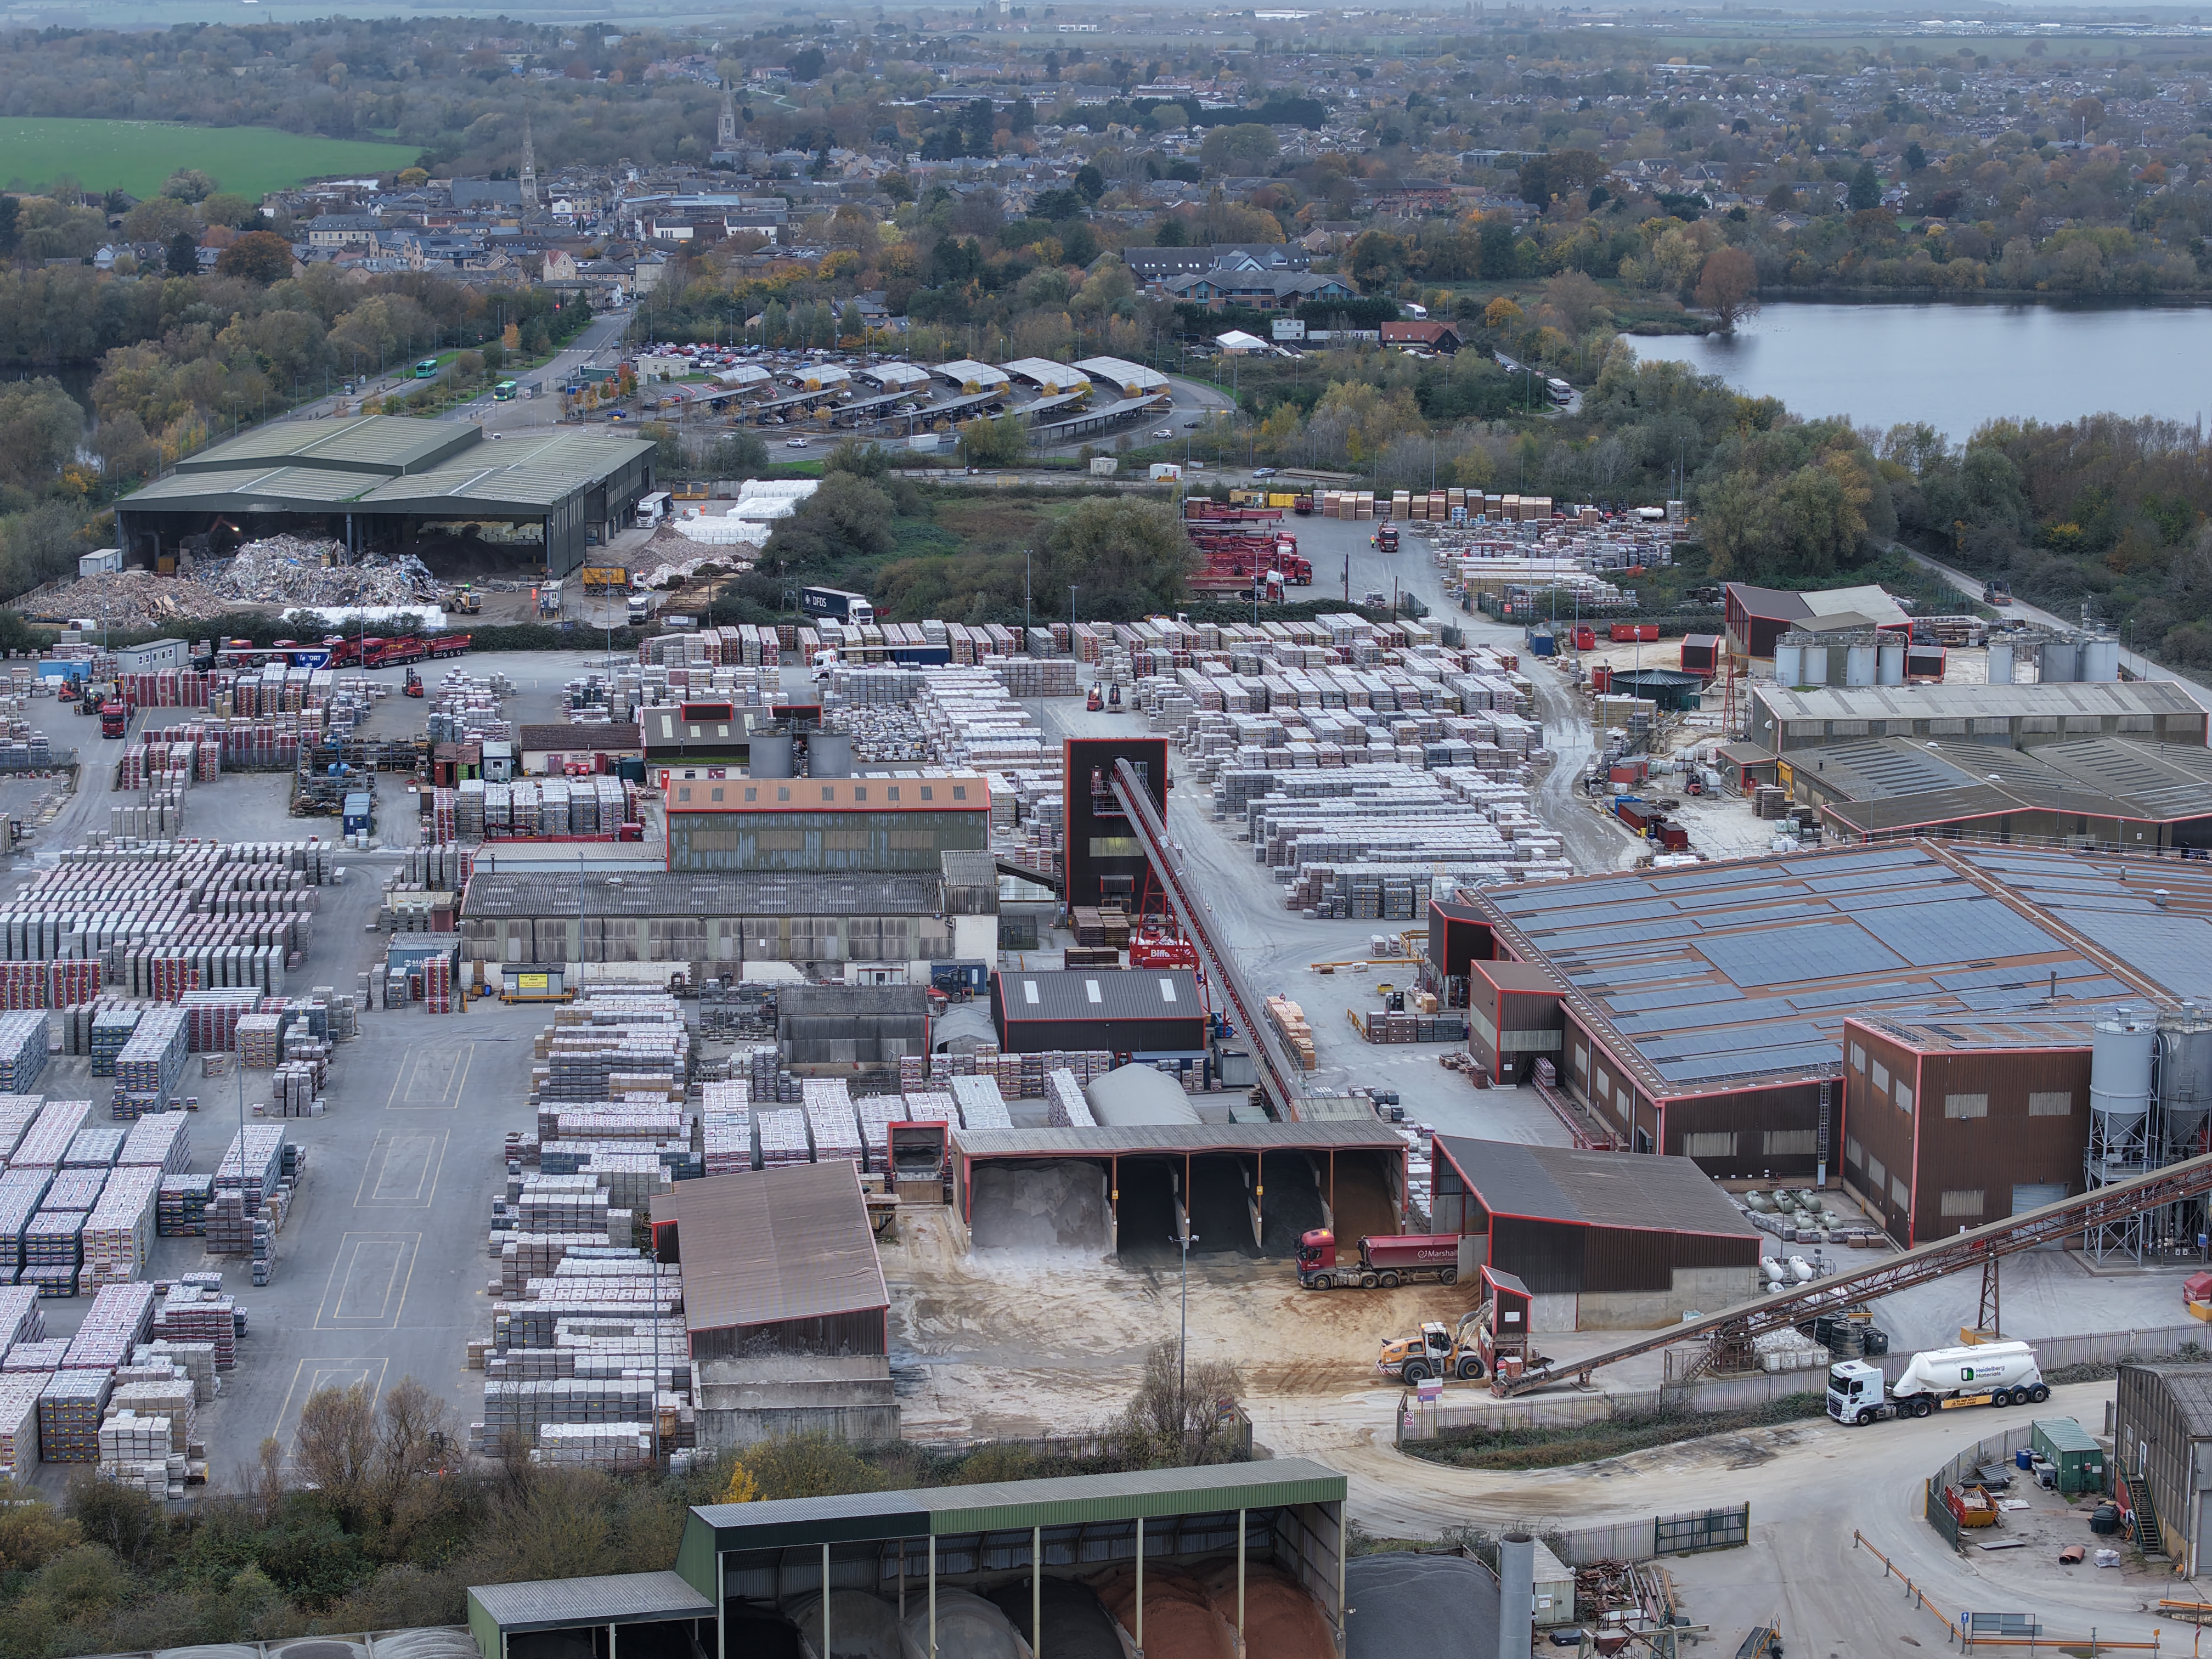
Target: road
{"x": 597, "y": 336}
{"x": 1810, "y": 1486}
{"x": 2140, "y": 666}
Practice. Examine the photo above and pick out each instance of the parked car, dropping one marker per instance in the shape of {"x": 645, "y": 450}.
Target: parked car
{"x": 1263, "y": 472}
{"x": 794, "y": 443}
{"x": 1164, "y": 432}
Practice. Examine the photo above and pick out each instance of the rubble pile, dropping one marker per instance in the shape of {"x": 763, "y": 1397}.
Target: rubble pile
{"x": 137, "y": 598}
{"x": 291, "y": 570}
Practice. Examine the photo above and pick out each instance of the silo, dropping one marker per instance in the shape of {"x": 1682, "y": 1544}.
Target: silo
{"x": 1517, "y": 1595}
{"x": 828, "y": 755}
{"x": 1816, "y": 666}
{"x": 2119, "y": 1076}
{"x": 1789, "y": 665}
{"x": 1890, "y": 671}
{"x": 2101, "y": 660}
{"x": 1859, "y": 659}
{"x": 2060, "y": 657}
{"x": 2185, "y": 1077}
{"x": 771, "y": 754}
{"x": 2000, "y": 662}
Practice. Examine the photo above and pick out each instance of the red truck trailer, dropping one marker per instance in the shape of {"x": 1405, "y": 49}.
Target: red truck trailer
{"x": 1385, "y": 1261}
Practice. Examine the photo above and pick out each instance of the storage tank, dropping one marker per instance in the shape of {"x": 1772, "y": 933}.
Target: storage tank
{"x": 1986, "y": 1365}
{"x": 828, "y": 755}
{"x": 1517, "y": 1595}
{"x": 1890, "y": 669}
{"x": 2000, "y": 662}
{"x": 2184, "y": 1077}
{"x": 2060, "y": 657}
{"x": 1816, "y": 666}
{"x": 770, "y": 755}
{"x": 1789, "y": 665}
{"x": 1859, "y": 664}
{"x": 2101, "y": 660}
{"x": 2119, "y": 1072}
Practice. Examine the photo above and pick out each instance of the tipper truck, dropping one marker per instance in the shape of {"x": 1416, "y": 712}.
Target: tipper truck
{"x": 1941, "y": 1379}
{"x": 1384, "y": 1261}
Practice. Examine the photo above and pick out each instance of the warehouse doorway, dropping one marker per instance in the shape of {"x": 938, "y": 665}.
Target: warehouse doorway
{"x": 2024, "y": 1199}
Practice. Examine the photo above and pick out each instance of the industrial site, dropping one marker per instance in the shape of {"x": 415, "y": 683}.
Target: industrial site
{"x": 1781, "y": 1057}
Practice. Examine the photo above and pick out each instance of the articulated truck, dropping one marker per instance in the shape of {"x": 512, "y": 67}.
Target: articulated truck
{"x": 1941, "y": 1379}
{"x": 1385, "y": 1261}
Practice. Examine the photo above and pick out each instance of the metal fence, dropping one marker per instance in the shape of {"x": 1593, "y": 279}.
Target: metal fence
{"x": 1690, "y": 1533}
{"x": 52, "y": 760}
{"x": 1996, "y": 1448}
{"x": 1419, "y": 1420}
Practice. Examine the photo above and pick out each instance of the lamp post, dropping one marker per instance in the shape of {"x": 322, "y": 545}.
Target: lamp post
{"x": 1185, "y": 1239}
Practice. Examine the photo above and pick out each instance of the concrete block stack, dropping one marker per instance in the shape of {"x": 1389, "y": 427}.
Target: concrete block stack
{"x": 725, "y": 1125}
{"x": 830, "y": 1121}
{"x": 196, "y": 1314}
{"x": 1069, "y": 1109}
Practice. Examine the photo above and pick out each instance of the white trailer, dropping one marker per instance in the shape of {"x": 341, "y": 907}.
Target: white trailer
{"x": 1939, "y": 1379}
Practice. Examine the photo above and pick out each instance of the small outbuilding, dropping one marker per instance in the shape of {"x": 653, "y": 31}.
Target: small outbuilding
{"x": 630, "y": 1615}
{"x": 1129, "y": 1011}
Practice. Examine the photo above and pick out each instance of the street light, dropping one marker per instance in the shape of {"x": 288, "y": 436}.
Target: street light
{"x": 1182, "y": 1363}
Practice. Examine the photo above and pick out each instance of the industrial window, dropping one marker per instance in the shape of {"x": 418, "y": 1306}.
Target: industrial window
{"x": 846, "y": 841}
{"x": 1717, "y": 1143}
{"x": 1966, "y": 1105}
{"x": 960, "y": 792}
{"x": 927, "y": 793}
{"x": 1962, "y": 1200}
{"x": 1791, "y": 1143}
{"x": 1876, "y": 1173}
{"x": 1881, "y": 1078}
{"x": 894, "y": 789}
{"x": 1853, "y": 1153}
{"x": 714, "y": 794}
{"x": 1604, "y": 1085}
{"x": 1117, "y": 846}
{"x": 1859, "y": 1058}
{"x": 783, "y": 793}
{"x": 912, "y": 841}
{"x": 860, "y": 791}
{"x": 828, "y": 792}
{"x": 1904, "y": 1096}
{"x": 684, "y": 793}
{"x": 1581, "y": 1059}
{"x": 780, "y": 841}
{"x": 1899, "y": 1193}
{"x": 2056, "y": 1104}
{"x": 752, "y": 794}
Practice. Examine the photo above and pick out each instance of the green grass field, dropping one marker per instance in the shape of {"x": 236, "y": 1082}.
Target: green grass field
{"x": 138, "y": 155}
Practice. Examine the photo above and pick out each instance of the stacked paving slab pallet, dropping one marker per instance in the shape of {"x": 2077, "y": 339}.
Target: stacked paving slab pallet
{"x": 117, "y": 1323}
{"x": 70, "y": 1405}
{"x": 119, "y": 1233}
{"x": 22, "y": 1051}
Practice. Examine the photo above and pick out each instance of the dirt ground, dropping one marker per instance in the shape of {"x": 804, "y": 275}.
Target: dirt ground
{"x": 969, "y": 1331}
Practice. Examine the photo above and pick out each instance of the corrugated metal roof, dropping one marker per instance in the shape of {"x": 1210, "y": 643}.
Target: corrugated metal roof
{"x": 649, "y": 892}
{"x": 998, "y": 1506}
{"x": 1841, "y": 703}
{"x": 383, "y": 444}
{"x": 2188, "y": 1385}
{"x": 253, "y": 490}
{"x": 1338, "y": 1134}
{"x": 618, "y": 1598}
{"x": 608, "y": 738}
{"x": 1595, "y": 1190}
{"x": 1099, "y": 993}
{"x": 765, "y": 1246}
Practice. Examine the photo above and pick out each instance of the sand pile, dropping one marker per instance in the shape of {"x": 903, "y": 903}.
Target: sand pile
{"x": 1059, "y": 1205}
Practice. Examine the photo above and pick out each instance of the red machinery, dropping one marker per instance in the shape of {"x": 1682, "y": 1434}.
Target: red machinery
{"x": 1198, "y": 510}
{"x": 414, "y": 686}
{"x": 1242, "y": 556}
{"x": 1156, "y": 948}
{"x": 375, "y": 651}
{"x": 114, "y": 718}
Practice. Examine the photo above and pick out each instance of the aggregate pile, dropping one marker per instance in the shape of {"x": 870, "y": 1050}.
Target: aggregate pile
{"x": 289, "y": 571}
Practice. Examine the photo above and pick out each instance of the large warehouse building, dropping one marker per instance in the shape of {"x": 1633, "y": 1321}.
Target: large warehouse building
{"x": 1601, "y": 1241}
{"x": 1702, "y": 1011}
{"x": 882, "y": 822}
{"x": 2118, "y": 764}
{"x": 374, "y": 483}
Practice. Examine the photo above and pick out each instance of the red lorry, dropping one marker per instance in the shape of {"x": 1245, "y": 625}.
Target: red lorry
{"x": 375, "y": 652}
{"x": 114, "y": 718}
{"x": 1385, "y": 1261}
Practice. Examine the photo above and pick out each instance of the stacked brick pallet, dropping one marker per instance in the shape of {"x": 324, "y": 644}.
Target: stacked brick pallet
{"x": 726, "y": 1123}
{"x": 70, "y": 1404}
{"x": 192, "y": 1314}
{"x": 783, "y": 1137}
{"x": 119, "y": 1234}
{"x": 566, "y": 1204}
{"x": 43, "y": 1355}
{"x": 254, "y": 1162}
{"x": 19, "y": 1425}
{"x": 172, "y": 1399}
{"x": 151, "y": 1067}
{"x": 260, "y": 1041}
{"x": 181, "y": 1211}
{"x": 595, "y": 1445}
{"x": 23, "y": 1050}
{"x": 524, "y": 1256}
{"x": 116, "y": 1323}
{"x": 831, "y": 1125}
{"x": 981, "y": 1106}
{"x": 74, "y": 1189}
{"x": 47, "y": 1141}
{"x": 1069, "y": 1109}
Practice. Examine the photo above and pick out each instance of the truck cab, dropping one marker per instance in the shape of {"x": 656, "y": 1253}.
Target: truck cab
{"x": 114, "y": 718}
{"x": 1857, "y": 1391}
{"x": 640, "y": 610}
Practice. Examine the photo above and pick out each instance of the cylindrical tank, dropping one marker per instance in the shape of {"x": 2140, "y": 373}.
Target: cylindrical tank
{"x": 1859, "y": 664}
{"x": 1890, "y": 670}
{"x": 1815, "y": 671}
{"x": 2119, "y": 1072}
{"x": 2184, "y": 1079}
{"x": 2060, "y": 657}
{"x": 828, "y": 755}
{"x": 2101, "y": 660}
{"x": 771, "y": 754}
{"x": 2000, "y": 662}
{"x": 1517, "y": 1594}
{"x": 1789, "y": 665}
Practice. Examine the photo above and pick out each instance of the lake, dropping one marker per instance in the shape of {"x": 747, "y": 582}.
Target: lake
{"x": 1958, "y": 365}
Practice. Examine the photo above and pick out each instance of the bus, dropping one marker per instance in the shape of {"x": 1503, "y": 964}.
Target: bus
{"x": 503, "y": 392}
{"x": 427, "y": 369}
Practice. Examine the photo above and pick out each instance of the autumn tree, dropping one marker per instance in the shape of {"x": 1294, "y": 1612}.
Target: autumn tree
{"x": 259, "y": 256}
{"x": 1727, "y": 287}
